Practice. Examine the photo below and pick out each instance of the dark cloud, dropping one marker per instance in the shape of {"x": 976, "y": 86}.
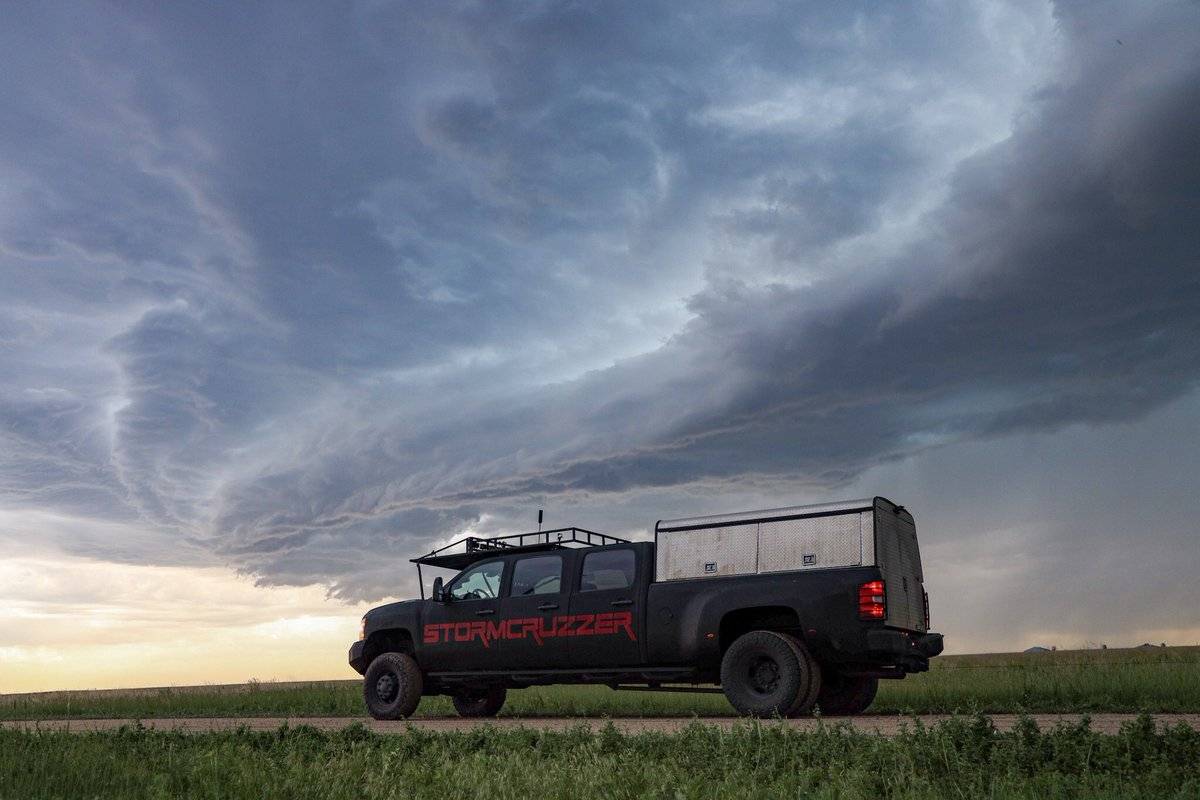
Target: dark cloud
{"x": 300, "y": 290}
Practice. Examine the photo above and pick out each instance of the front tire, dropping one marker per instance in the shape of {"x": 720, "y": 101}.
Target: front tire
{"x": 768, "y": 674}
{"x": 392, "y": 686}
{"x": 844, "y": 696}
{"x": 480, "y": 702}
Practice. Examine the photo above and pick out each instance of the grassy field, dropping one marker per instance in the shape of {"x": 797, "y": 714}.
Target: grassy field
{"x": 964, "y": 757}
{"x": 1160, "y": 680}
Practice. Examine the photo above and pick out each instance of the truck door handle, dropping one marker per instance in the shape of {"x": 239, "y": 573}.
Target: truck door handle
{"x": 486, "y": 612}
{"x": 547, "y": 606}
{"x": 621, "y": 603}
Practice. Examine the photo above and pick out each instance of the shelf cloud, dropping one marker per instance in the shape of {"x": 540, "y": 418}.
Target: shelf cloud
{"x": 298, "y": 293}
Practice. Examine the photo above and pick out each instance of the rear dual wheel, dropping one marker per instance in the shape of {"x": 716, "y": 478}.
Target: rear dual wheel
{"x": 805, "y": 704}
{"x": 770, "y": 674}
{"x": 843, "y": 695}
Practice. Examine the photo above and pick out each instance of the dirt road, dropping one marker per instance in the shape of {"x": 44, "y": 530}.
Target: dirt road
{"x": 886, "y": 725}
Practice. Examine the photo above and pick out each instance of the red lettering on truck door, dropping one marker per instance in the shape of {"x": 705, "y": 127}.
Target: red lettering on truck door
{"x": 623, "y": 620}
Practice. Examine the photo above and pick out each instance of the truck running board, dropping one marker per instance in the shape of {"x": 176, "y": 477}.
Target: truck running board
{"x": 680, "y": 689}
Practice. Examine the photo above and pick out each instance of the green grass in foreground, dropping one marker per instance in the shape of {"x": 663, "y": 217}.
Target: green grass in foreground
{"x": 1158, "y": 681}
{"x": 964, "y": 757}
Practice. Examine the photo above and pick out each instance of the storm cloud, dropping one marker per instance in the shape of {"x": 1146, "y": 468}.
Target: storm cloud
{"x": 294, "y": 290}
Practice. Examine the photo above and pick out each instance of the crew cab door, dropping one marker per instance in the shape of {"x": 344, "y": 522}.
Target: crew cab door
{"x": 535, "y": 601}
{"x": 605, "y": 625}
{"x": 461, "y": 633}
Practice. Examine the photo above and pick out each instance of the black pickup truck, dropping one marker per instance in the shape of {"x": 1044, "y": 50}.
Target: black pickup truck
{"x": 786, "y": 610}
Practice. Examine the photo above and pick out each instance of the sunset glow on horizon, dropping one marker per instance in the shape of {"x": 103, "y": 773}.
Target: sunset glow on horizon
{"x": 70, "y": 623}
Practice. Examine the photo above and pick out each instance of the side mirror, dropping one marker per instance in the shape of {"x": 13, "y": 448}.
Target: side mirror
{"x": 438, "y": 595}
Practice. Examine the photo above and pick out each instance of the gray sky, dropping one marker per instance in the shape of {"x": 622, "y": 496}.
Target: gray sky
{"x": 301, "y": 290}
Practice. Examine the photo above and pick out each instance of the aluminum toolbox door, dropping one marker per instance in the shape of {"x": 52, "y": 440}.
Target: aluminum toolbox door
{"x": 792, "y": 539}
{"x": 899, "y": 559}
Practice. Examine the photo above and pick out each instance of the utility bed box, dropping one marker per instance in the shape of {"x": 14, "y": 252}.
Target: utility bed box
{"x": 873, "y": 532}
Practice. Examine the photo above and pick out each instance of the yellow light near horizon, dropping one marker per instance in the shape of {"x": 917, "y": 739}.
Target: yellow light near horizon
{"x": 68, "y": 623}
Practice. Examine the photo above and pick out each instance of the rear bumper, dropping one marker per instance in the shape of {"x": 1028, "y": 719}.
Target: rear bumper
{"x": 907, "y": 650}
{"x": 358, "y": 657}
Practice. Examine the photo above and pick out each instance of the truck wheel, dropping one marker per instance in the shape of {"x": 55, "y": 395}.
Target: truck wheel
{"x": 392, "y": 686}
{"x": 480, "y": 702}
{"x": 808, "y": 700}
{"x": 766, "y": 674}
{"x": 843, "y": 695}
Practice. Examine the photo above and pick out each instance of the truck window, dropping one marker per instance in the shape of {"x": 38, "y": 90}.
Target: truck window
{"x": 479, "y": 582}
{"x": 607, "y": 569}
{"x": 537, "y": 575}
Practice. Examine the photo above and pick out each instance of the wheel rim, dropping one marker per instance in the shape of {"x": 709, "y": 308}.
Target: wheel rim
{"x": 387, "y": 687}
{"x": 763, "y": 675}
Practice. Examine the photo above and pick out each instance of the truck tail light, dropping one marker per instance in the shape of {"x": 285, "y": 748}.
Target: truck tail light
{"x": 926, "y": 596}
{"x": 872, "y": 600}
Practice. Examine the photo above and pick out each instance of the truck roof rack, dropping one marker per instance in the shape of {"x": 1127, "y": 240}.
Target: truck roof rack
{"x": 467, "y": 551}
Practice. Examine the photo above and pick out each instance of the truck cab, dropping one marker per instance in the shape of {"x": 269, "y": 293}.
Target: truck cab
{"x": 536, "y": 609}
{"x": 785, "y": 610}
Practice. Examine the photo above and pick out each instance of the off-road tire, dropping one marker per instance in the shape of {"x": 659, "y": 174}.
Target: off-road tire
{"x": 766, "y": 674}
{"x": 843, "y": 696}
{"x": 480, "y": 702}
{"x": 808, "y": 700}
{"x": 392, "y": 686}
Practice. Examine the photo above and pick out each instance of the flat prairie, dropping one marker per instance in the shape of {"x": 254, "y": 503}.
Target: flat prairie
{"x": 1129, "y": 680}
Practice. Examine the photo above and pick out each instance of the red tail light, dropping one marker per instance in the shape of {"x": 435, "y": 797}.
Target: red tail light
{"x": 872, "y": 600}
{"x": 926, "y": 596}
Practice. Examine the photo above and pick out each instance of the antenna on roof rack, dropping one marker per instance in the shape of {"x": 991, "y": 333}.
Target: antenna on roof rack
{"x": 539, "y": 520}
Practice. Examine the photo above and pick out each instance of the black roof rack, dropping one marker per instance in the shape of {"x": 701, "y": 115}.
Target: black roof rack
{"x": 474, "y": 548}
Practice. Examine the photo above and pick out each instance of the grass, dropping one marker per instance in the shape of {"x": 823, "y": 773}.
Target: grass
{"x": 1160, "y": 681}
{"x": 964, "y": 757}
{"x": 1157, "y": 681}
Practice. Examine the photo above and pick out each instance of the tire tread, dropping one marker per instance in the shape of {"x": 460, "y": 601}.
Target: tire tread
{"x": 487, "y": 705}
{"x": 798, "y": 668}
{"x": 409, "y": 694}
